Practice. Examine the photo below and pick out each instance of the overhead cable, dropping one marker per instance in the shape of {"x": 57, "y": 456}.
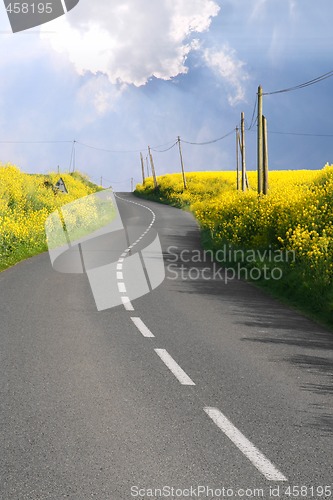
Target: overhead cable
{"x": 302, "y": 85}
{"x": 209, "y": 142}
{"x": 164, "y": 150}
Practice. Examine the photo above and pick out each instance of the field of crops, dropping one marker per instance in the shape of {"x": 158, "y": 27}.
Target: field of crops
{"x": 295, "y": 217}
{"x": 25, "y": 203}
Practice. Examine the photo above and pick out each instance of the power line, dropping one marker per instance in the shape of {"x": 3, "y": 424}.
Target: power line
{"x": 302, "y": 85}
{"x": 165, "y": 144}
{"x": 209, "y": 142}
{"x": 253, "y": 121}
{"x": 302, "y": 134}
{"x": 108, "y": 150}
{"x": 36, "y": 142}
{"x": 155, "y": 148}
{"x": 164, "y": 150}
{"x": 298, "y": 134}
{"x": 122, "y": 150}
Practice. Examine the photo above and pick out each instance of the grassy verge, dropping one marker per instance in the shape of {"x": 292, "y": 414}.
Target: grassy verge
{"x": 293, "y": 288}
{"x": 282, "y": 242}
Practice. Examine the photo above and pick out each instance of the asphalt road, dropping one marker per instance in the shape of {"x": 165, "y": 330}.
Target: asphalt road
{"x": 198, "y": 383}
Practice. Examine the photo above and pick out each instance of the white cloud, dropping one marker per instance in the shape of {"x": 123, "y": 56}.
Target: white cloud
{"x": 133, "y": 40}
{"x": 98, "y": 95}
{"x": 225, "y": 63}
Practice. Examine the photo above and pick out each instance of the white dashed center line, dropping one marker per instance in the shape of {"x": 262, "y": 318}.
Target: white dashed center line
{"x": 178, "y": 372}
{"x": 121, "y": 287}
{"x": 127, "y": 303}
{"x": 142, "y": 327}
{"x": 245, "y": 446}
{"x": 257, "y": 458}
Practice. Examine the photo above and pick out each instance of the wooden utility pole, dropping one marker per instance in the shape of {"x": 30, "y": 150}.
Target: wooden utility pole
{"x": 147, "y": 163}
{"x": 265, "y": 155}
{"x": 247, "y": 181}
{"x": 152, "y": 167}
{"x": 237, "y": 157}
{"x": 243, "y": 152}
{"x": 74, "y": 156}
{"x": 143, "y": 169}
{"x": 182, "y": 163}
{"x": 260, "y": 142}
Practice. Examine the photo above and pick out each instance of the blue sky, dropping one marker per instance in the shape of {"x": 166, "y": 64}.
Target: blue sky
{"x": 124, "y": 75}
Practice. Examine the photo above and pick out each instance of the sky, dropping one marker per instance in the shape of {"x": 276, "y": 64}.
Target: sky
{"x": 117, "y": 76}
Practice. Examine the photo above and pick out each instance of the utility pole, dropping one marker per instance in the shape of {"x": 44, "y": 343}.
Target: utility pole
{"x": 182, "y": 163}
{"x": 132, "y": 184}
{"x": 265, "y": 155}
{"x": 237, "y": 157}
{"x": 74, "y": 156}
{"x": 102, "y": 181}
{"x": 143, "y": 169}
{"x": 147, "y": 162}
{"x": 152, "y": 168}
{"x": 247, "y": 181}
{"x": 243, "y": 152}
{"x": 260, "y": 142}
{"x": 58, "y": 169}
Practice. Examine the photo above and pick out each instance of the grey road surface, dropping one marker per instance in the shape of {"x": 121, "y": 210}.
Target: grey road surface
{"x": 205, "y": 389}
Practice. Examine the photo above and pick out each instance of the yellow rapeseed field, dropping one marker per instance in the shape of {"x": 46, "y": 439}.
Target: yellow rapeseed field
{"x": 296, "y": 215}
{"x": 25, "y": 203}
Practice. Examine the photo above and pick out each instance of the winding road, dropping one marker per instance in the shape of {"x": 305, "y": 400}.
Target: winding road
{"x": 205, "y": 389}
